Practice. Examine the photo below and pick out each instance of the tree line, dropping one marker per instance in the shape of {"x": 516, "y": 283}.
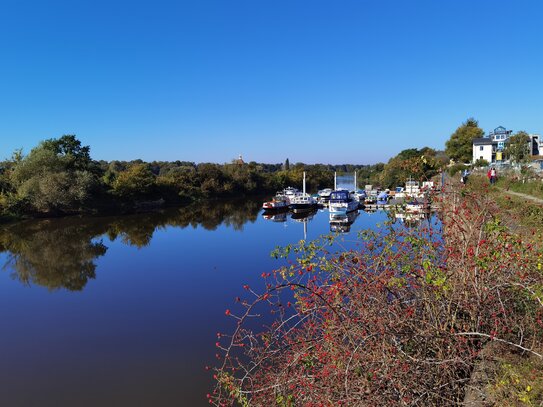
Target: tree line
{"x": 59, "y": 176}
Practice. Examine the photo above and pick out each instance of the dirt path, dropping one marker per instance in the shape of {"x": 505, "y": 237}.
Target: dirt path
{"x": 528, "y": 197}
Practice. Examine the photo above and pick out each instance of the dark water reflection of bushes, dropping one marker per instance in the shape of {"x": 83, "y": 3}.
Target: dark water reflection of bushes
{"x": 61, "y": 253}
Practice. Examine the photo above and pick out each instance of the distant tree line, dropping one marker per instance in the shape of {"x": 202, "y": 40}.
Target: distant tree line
{"x": 59, "y": 177}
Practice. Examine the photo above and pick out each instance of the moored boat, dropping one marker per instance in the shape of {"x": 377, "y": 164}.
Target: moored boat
{"x": 278, "y": 203}
{"x": 302, "y": 202}
{"x": 342, "y": 202}
{"x": 359, "y": 195}
{"x": 324, "y": 195}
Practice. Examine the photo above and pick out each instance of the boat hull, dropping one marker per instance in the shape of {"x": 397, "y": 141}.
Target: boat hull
{"x": 302, "y": 207}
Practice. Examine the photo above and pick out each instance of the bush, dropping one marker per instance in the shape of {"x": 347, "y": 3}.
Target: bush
{"x": 400, "y": 321}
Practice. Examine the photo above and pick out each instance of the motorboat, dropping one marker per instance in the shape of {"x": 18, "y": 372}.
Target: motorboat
{"x": 342, "y": 202}
{"x": 323, "y": 196}
{"x": 412, "y": 188}
{"x": 371, "y": 197}
{"x": 278, "y": 203}
{"x": 359, "y": 195}
{"x": 291, "y": 192}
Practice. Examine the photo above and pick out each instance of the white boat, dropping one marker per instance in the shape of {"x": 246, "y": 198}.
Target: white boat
{"x": 291, "y": 192}
{"x": 342, "y": 202}
{"x": 399, "y": 193}
{"x": 371, "y": 197}
{"x": 412, "y": 188}
{"x": 324, "y": 195}
{"x": 279, "y": 202}
{"x": 302, "y": 202}
{"x": 359, "y": 195}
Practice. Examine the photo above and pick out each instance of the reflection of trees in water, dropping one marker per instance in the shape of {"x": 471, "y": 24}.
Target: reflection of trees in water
{"x": 61, "y": 253}
{"x": 211, "y": 215}
{"x": 51, "y": 253}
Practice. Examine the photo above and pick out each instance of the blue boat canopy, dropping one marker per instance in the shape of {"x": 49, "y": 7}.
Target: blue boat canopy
{"x": 340, "y": 195}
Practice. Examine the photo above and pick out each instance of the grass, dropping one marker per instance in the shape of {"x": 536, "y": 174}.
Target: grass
{"x": 518, "y": 382}
{"x": 533, "y": 188}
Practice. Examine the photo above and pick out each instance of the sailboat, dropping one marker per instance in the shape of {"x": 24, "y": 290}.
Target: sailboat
{"x": 302, "y": 202}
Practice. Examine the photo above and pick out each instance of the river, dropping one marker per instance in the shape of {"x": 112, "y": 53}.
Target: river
{"x": 124, "y": 311}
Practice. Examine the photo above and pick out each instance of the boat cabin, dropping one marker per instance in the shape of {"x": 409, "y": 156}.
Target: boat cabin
{"x": 341, "y": 195}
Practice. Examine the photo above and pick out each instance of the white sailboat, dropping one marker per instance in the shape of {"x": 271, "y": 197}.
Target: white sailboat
{"x": 302, "y": 202}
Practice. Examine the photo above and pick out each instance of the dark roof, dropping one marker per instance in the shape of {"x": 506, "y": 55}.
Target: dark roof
{"x": 483, "y": 141}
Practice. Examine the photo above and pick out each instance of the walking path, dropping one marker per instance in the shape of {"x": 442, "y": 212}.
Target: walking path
{"x": 528, "y": 197}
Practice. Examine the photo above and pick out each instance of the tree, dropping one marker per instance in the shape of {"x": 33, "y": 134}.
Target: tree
{"x": 459, "y": 147}
{"x": 518, "y": 147}
{"x": 419, "y": 164}
{"x": 69, "y": 149}
{"x": 286, "y": 166}
{"x": 138, "y": 180}
{"x": 54, "y": 177}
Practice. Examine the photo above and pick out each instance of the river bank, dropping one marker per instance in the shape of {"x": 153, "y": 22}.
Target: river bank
{"x": 403, "y": 320}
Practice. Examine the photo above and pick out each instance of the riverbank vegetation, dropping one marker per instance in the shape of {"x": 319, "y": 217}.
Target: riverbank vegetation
{"x": 59, "y": 177}
{"x": 403, "y": 320}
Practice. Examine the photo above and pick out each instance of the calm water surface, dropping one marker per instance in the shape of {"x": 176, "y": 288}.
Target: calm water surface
{"x": 123, "y": 311}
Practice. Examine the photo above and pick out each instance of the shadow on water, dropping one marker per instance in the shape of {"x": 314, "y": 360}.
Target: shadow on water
{"x": 61, "y": 253}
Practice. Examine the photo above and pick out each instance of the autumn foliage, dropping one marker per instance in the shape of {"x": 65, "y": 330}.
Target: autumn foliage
{"x": 398, "y": 321}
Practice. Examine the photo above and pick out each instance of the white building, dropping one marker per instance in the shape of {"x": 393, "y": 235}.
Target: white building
{"x": 484, "y": 149}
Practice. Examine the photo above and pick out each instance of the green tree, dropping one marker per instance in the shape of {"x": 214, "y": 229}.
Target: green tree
{"x": 70, "y": 150}
{"x": 459, "y": 147}
{"x": 136, "y": 181}
{"x": 419, "y": 164}
{"x": 54, "y": 177}
{"x": 518, "y": 147}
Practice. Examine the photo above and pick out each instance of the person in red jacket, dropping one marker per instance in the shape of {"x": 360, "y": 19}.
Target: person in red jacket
{"x": 492, "y": 175}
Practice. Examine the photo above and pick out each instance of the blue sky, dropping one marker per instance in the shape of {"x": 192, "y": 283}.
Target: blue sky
{"x": 345, "y": 81}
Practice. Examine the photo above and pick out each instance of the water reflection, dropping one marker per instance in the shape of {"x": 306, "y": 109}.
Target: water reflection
{"x": 51, "y": 254}
{"x": 342, "y": 223}
{"x": 61, "y": 253}
{"x": 411, "y": 219}
{"x": 276, "y": 216}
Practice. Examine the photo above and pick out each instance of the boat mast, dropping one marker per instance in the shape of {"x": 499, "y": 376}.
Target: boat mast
{"x": 335, "y": 180}
{"x": 355, "y": 184}
{"x": 304, "y": 183}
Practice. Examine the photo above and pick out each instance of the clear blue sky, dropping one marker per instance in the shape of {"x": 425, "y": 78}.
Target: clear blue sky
{"x": 337, "y": 81}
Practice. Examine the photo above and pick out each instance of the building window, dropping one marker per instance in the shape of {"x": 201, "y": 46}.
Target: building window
{"x": 481, "y": 148}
